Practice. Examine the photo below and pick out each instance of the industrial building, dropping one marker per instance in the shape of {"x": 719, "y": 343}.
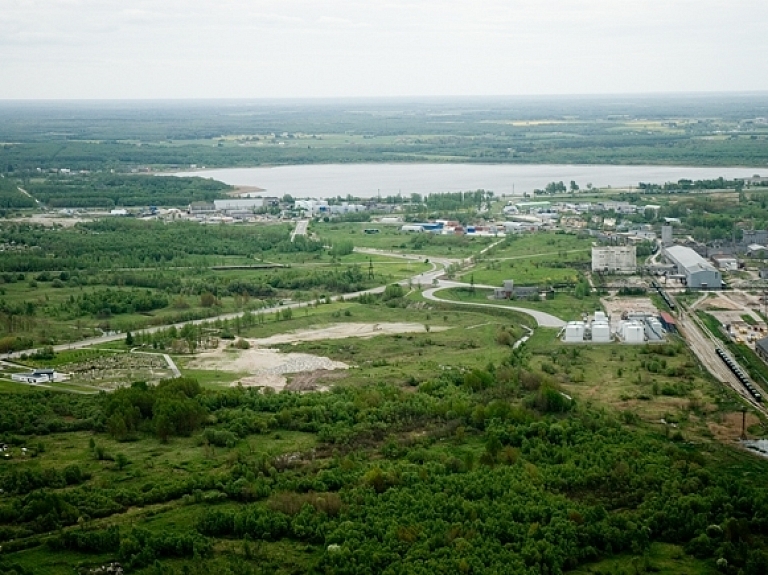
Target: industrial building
{"x": 696, "y": 271}
{"x": 761, "y": 348}
{"x": 727, "y": 263}
{"x": 666, "y": 235}
{"x": 614, "y": 259}
{"x": 230, "y": 204}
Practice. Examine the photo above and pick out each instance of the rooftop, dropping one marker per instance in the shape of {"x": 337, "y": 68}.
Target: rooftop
{"x": 689, "y": 259}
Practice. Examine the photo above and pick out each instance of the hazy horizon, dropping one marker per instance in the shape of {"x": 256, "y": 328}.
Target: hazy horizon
{"x": 298, "y": 49}
{"x": 402, "y": 98}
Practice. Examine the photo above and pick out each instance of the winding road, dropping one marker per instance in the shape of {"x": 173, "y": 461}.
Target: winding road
{"x": 429, "y": 278}
{"x": 543, "y": 319}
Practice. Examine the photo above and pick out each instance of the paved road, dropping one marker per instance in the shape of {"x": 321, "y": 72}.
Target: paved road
{"x": 543, "y": 319}
{"x": 300, "y": 229}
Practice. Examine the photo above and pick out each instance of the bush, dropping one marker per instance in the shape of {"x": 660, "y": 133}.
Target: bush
{"x": 241, "y": 344}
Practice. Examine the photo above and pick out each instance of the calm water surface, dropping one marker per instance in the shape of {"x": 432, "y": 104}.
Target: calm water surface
{"x": 367, "y": 180}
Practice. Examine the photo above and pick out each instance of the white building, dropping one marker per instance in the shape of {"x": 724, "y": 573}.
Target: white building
{"x": 614, "y": 259}
{"x": 36, "y": 376}
{"x": 312, "y": 207}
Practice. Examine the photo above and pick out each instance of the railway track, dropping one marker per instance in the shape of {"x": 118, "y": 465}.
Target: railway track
{"x": 704, "y": 345}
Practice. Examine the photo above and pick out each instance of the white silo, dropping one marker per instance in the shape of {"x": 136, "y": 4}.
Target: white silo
{"x": 574, "y": 332}
{"x": 601, "y": 331}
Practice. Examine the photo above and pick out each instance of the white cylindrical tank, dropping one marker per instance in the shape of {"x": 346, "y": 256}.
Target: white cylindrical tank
{"x": 574, "y": 331}
{"x": 633, "y": 333}
{"x": 601, "y": 332}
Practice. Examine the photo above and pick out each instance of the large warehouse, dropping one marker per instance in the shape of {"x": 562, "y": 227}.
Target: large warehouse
{"x": 698, "y": 272}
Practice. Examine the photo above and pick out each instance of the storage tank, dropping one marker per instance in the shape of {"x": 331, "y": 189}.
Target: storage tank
{"x": 600, "y": 316}
{"x": 654, "y": 330}
{"x": 574, "y": 332}
{"x": 633, "y": 332}
{"x": 601, "y": 332}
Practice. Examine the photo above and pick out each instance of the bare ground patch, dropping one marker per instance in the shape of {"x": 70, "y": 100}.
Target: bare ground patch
{"x": 342, "y": 331}
{"x": 269, "y": 367}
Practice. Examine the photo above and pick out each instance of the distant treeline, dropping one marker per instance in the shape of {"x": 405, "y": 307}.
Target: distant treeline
{"x": 685, "y": 184}
{"x": 110, "y": 190}
{"x": 125, "y": 242}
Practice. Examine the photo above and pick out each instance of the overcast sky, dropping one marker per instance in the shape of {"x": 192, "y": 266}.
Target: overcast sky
{"x": 331, "y": 48}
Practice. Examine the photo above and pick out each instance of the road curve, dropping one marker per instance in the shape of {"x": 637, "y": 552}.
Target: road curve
{"x": 543, "y": 319}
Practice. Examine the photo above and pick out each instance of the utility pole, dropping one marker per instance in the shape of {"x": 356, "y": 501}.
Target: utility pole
{"x": 743, "y": 423}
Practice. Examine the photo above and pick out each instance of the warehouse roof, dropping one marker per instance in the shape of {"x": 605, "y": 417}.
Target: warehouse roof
{"x": 762, "y": 345}
{"x": 689, "y": 259}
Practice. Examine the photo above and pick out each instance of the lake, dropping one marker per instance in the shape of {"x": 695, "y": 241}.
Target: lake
{"x": 368, "y": 180}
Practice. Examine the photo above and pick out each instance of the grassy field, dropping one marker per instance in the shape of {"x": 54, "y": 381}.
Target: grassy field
{"x": 532, "y": 271}
{"x": 555, "y": 244}
{"x": 533, "y": 259}
{"x": 47, "y": 315}
{"x": 650, "y": 382}
{"x": 391, "y": 238}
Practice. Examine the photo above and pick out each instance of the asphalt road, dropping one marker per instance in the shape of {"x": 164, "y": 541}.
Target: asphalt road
{"x": 543, "y": 319}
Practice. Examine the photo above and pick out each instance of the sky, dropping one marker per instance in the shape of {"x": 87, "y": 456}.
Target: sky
{"x": 141, "y": 49}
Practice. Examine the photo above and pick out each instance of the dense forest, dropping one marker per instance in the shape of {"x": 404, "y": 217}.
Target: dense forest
{"x": 11, "y": 197}
{"x": 127, "y": 243}
{"x": 110, "y": 190}
{"x": 469, "y": 473}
